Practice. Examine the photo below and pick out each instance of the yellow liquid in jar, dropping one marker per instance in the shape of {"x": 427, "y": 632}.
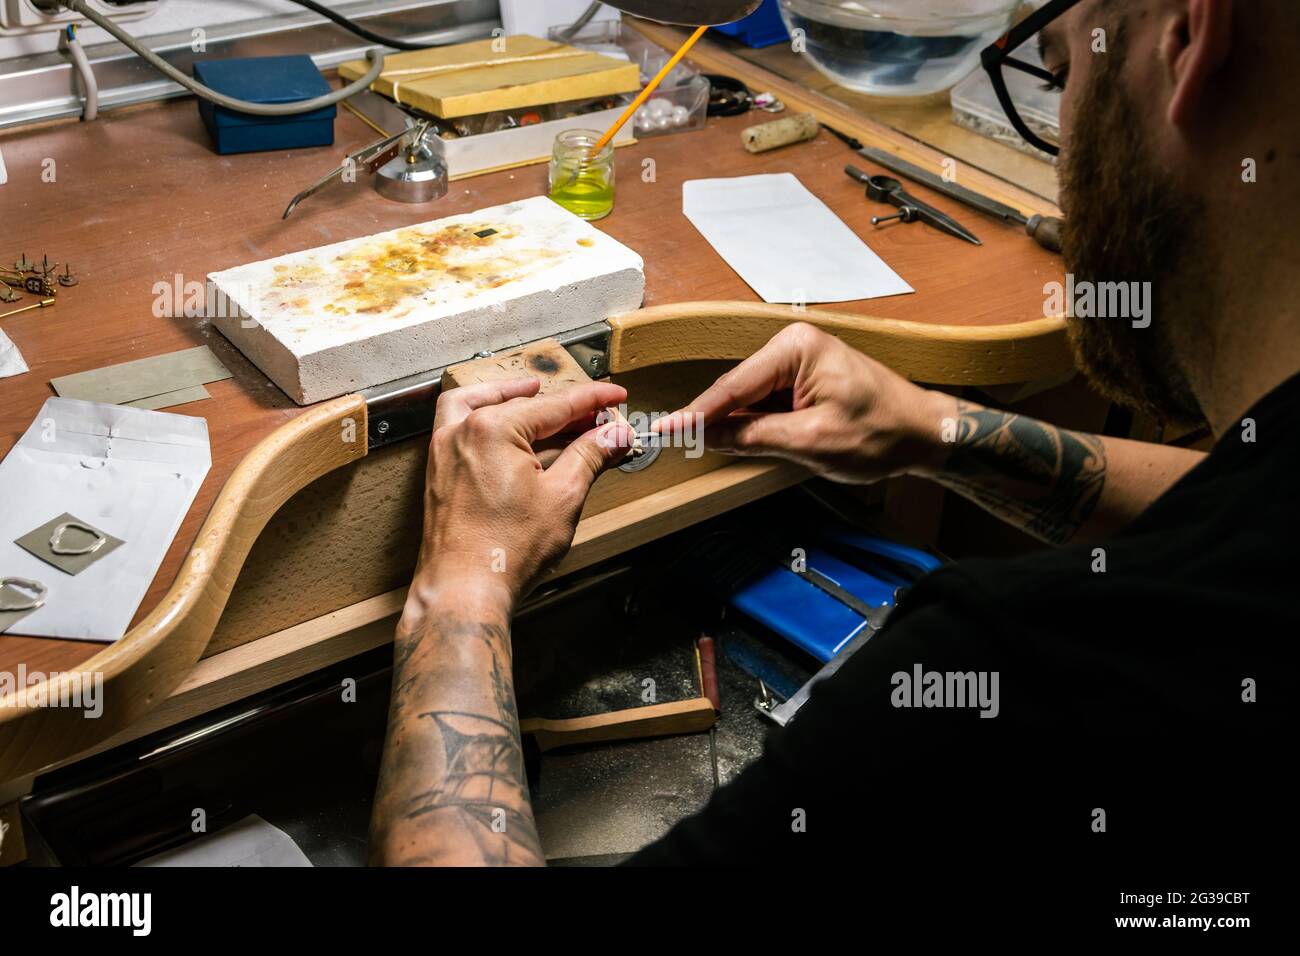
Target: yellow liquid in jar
{"x": 590, "y": 195}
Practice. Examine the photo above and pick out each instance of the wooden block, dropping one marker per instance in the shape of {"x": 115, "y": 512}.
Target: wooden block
{"x": 483, "y": 76}
{"x": 546, "y": 360}
{"x": 334, "y": 320}
{"x": 656, "y": 720}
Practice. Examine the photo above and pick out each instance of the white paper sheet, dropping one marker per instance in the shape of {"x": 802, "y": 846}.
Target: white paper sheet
{"x": 785, "y": 242}
{"x": 250, "y": 842}
{"x": 11, "y": 360}
{"x": 4, "y": 175}
{"x": 131, "y": 473}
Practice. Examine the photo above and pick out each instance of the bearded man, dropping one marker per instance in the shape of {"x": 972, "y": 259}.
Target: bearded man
{"x": 1141, "y": 698}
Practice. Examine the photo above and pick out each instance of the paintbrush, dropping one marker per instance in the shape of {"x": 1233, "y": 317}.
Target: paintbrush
{"x": 636, "y": 104}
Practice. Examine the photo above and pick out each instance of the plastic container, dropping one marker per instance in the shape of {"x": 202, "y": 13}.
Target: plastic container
{"x": 896, "y": 47}
{"x": 763, "y": 27}
{"x": 680, "y": 105}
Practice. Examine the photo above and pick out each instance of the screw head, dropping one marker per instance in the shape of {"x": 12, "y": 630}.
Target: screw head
{"x": 382, "y": 428}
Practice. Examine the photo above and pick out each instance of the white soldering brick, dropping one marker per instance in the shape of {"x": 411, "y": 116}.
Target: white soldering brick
{"x": 329, "y": 321}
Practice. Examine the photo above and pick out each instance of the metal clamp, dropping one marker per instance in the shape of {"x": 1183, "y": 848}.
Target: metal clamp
{"x": 36, "y": 588}
{"x": 56, "y": 538}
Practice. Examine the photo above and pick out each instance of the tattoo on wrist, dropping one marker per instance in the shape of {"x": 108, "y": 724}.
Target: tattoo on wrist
{"x": 1044, "y": 479}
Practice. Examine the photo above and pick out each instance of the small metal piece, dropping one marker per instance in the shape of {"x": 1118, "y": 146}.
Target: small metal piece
{"x": 56, "y": 538}
{"x": 649, "y": 453}
{"x": 35, "y": 588}
{"x": 27, "y": 308}
{"x": 67, "y": 279}
{"x": 419, "y": 174}
{"x": 768, "y": 103}
{"x": 485, "y": 233}
{"x": 483, "y": 354}
{"x": 40, "y": 285}
{"x": 24, "y": 264}
{"x": 7, "y": 293}
{"x": 906, "y": 214}
{"x": 713, "y": 755}
{"x": 591, "y": 355}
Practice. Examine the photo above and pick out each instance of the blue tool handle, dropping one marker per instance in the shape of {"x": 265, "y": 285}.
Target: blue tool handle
{"x": 892, "y": 550}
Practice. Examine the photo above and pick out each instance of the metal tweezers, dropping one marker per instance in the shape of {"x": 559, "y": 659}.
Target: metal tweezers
{"x": 368, "y": 158}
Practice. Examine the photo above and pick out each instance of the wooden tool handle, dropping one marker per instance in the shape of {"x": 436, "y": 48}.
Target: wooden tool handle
{"x": 657, "y": 720}
{"x": 1046, "y": 231}
{"x": 706, "y": 652}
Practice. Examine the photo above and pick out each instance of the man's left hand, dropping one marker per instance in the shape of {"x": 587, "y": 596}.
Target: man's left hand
{"x": 495, "y": 517}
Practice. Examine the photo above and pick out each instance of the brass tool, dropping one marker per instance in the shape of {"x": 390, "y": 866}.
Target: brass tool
{"x": 27, "y": 308}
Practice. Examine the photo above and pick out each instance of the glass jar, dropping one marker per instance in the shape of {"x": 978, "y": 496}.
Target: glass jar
{"x": 581, "y": 181}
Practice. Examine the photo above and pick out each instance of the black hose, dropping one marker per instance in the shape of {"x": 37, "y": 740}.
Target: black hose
{"x": 357, "y": 28}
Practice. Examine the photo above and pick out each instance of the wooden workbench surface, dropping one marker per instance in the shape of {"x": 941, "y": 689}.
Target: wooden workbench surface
{"x": 138, "y": 198}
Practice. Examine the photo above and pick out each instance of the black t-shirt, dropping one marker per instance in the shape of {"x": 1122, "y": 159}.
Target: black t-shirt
{"x": 1124, "y": 726}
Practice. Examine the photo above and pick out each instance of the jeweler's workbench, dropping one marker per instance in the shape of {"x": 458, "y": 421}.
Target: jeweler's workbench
{"x": 314, "y": 556}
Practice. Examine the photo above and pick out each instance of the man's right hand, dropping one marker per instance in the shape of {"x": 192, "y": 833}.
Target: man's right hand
{"x": 809, "y": 398}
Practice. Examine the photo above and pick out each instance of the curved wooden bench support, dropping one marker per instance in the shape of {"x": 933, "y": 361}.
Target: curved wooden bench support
{"x": 142, "y": 668}
{"x": 937, "y": 354}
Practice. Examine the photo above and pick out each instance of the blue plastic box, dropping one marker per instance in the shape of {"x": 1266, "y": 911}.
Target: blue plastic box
{"x": 763, "y": 27}
{"x": 265, "y": 79}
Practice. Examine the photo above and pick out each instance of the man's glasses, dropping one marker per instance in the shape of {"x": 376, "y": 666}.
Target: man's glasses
{"x": 997, "y": 58}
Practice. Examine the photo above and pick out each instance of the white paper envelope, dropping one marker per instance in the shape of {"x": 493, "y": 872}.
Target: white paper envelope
{"x": 785, "y": 242}
{"x": 11, "y": 360}
{"x": 128, "y": 472}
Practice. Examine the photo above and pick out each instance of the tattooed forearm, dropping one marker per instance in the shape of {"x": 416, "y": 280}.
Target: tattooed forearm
{"x": 453, "y": 789}
{"x": 1043, "y": 479}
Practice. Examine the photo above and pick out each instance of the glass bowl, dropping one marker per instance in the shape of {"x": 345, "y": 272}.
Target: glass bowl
{"x": 896, "y": 47}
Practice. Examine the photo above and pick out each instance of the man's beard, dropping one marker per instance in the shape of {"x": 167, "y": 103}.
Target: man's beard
{"x": 1126, "y": 221}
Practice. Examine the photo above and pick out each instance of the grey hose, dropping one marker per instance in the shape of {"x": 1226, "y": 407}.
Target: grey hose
{"x": 69, "y": 44}
{"x": 581, "y": 22}
{"x": 198, "y": 89}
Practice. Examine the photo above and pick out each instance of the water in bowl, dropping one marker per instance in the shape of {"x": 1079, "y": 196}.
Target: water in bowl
{"x": 896, "y": 49}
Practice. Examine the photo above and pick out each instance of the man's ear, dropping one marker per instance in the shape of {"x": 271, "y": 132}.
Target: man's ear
{"x": 1196, "y": 45}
